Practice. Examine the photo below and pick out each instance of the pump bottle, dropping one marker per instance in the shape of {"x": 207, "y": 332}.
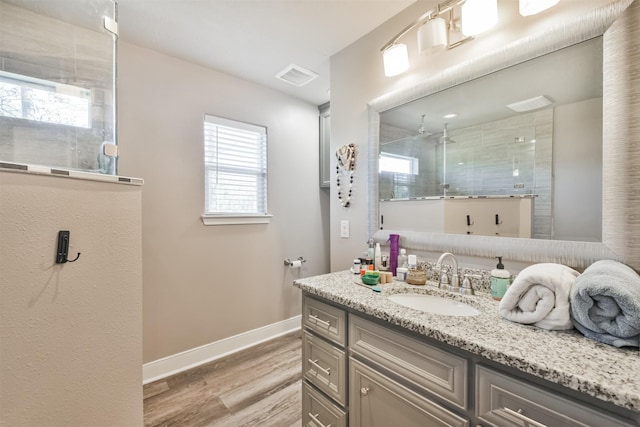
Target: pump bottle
{"x": 500, "y": 280}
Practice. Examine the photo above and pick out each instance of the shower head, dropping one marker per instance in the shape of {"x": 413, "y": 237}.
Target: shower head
{"x": 445, "y": 138}
{"x": 421, "y": 129}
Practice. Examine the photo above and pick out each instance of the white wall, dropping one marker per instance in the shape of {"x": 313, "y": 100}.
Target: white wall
{"x": 357, "y": 77}
{"x": 70, "y": 334}
{"x": 203, "y": 284}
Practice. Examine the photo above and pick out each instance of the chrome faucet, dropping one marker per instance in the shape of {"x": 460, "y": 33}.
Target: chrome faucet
{"x": 444, "y": 283}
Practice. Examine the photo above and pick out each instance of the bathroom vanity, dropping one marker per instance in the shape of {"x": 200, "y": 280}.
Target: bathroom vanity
{"x": 368, "y": 361}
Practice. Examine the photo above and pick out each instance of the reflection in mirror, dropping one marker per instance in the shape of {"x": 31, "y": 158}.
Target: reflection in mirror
{"x": 516, "y": 153}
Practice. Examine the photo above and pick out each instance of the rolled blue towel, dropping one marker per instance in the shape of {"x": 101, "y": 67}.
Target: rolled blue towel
{"x": 605, "y": 304}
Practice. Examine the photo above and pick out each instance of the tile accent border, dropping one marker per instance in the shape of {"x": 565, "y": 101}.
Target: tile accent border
{"x": 68, "y": 173}
{"x": 194, "y": 357}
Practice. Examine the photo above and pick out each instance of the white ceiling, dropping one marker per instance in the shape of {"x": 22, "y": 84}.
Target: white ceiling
{"x": 255, "y": 39}
{"x": 251, "y": 39}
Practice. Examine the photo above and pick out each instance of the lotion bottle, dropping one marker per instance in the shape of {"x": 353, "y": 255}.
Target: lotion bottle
{"x": 500, "y": 280}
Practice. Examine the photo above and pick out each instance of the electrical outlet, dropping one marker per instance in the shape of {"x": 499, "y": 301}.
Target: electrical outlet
{"x": 344, "y": 229}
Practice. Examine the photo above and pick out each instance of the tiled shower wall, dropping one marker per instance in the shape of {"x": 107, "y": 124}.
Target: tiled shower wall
{"x": 510, "y": 156}
{"x": 487, "y": 159}
{"x": 39, "y": 46}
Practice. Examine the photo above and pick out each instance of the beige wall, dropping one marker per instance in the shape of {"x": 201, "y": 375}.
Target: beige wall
{"x": 357, "y": 77}
{"x": 203, "y": 284}
{"x": 70, "y": 334}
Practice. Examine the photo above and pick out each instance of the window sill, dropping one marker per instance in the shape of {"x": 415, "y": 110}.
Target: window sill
{"x": 209, "y": 219}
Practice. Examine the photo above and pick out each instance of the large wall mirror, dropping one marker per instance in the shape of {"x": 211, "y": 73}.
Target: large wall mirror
{"x": 518, "y": 152}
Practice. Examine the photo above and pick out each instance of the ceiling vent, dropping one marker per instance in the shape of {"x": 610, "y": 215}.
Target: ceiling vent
{"x": 530, "y": 104}
{"x": 296, "y": 75}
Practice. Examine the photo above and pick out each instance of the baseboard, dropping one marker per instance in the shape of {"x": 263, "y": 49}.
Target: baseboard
{"x": 188, "y": 359}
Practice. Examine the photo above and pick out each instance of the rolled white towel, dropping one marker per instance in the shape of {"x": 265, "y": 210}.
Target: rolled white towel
{"x": 539, "y": 295}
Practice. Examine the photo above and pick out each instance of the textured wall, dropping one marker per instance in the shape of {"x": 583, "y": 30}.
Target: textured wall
{"x": 70, "y": 334}
{"x": 621, "y": 154}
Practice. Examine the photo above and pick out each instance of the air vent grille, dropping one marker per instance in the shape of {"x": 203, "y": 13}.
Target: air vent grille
{"x": 530, "y": 104}
{"x": 296, "y": 75}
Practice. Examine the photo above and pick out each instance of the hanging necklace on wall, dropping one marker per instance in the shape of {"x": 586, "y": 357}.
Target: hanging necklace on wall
{"x": 346, "y": 156}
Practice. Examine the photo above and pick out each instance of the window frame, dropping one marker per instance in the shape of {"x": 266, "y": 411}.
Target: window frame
{"x": 234, "y": 218}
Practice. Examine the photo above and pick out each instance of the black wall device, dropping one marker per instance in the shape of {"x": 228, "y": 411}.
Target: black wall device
{"x": 63, "y": 247}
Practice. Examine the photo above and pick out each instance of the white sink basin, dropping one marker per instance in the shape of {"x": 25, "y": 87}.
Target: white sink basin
{"x": 434, "y": 304}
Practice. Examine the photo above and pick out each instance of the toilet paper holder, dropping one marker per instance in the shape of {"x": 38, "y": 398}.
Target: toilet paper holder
{"x": 288, "y": 262}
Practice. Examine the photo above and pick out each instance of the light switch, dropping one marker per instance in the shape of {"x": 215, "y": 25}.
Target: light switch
{"x": 344, "y": 229}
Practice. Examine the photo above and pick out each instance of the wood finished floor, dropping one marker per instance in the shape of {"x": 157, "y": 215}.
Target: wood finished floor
{"x": 260, "y": 386}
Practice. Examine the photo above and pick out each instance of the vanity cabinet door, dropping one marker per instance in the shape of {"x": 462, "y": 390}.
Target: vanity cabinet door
{"x": 504, "y": 401}
{"x": 422, "y": 364}
{"x": 376, "y": 400}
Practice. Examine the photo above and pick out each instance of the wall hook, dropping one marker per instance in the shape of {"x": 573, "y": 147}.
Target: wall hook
{"x": 63, "y": 248}
{"x": 75, "y": 259}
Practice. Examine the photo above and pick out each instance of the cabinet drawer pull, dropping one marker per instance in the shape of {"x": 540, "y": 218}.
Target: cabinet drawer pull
{"x": 364, "y": 391}
{"x": 327, "y": 371}
{"x": 317, "y": 421}
{"x": 528, "y": 422}
{"x": 320, "y": 321}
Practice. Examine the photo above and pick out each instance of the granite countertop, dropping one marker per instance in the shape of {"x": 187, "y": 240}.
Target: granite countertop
{"x": 563, "y": 357}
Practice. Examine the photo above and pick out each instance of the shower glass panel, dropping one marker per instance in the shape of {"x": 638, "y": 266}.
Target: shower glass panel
{"x": 57, "y": 84}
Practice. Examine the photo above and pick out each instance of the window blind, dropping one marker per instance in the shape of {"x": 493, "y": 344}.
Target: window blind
{"x": 235, "y": 158}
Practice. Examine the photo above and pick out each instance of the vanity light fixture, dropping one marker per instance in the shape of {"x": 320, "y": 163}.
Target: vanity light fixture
{"x": 478, "y": 16}
{"x": 396, "y": 59}
{"x": 532, "y": 7}
{"x": 444, "y": 27}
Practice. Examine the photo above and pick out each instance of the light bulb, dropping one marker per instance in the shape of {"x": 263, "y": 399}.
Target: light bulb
{"x": 396, "y": 59}
{"x": 531, "y": 7}
{"x": 432, "y": 36}
{"x": 478, "y": 16}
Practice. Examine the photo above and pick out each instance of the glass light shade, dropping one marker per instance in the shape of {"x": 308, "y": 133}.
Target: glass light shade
{"x": 432, "y": 36}
{"x": 478, "y": 16}
{"x": 531, "y": 7}
{"x": 396, "y": 59}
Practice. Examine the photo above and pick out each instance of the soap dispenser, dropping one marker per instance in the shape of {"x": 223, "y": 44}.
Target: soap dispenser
{"x": 500, "y": 280}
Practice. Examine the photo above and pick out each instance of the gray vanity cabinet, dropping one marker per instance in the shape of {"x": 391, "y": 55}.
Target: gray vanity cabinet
{"x": 365, "y": 373}
{"x": 324, "y": 364}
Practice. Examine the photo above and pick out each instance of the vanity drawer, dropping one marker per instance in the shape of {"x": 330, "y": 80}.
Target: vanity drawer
{"x": 324, "y": 366}
{"x": 506, "y": 401}
{"x": 424, "y": 365}
{"x": 318, "y": 411}
{"x": 377, "y": 400}
{"x": 324, "y": 319}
